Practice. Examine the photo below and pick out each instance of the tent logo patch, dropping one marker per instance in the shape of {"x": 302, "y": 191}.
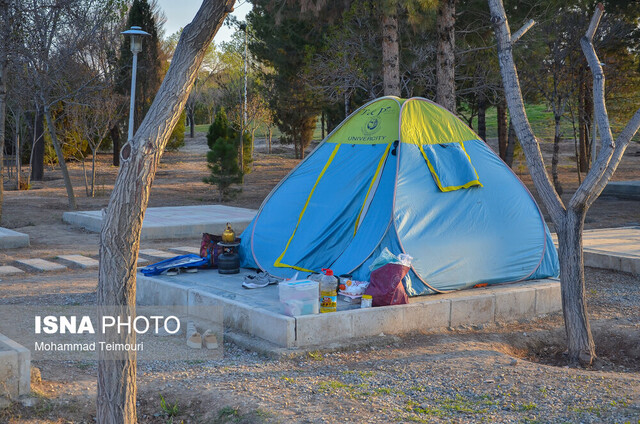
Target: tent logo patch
{"x": 371, "y": 127}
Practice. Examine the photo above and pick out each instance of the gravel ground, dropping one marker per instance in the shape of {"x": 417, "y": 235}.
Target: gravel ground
{"x": 507, "y": 373}
{"x": 502, "y": 373}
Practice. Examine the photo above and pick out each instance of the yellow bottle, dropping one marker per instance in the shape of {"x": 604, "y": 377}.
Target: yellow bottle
{"x": 328, "y": 291}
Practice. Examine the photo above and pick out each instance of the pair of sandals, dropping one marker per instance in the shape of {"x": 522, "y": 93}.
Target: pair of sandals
{"x": 178, "y": 270}
{"x": 260, "y": 280}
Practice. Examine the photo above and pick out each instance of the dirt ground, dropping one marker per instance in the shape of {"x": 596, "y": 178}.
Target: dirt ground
{"x": 500, "y": 373}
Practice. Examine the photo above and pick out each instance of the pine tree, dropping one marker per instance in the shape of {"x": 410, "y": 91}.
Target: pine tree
{"x": 222, "y": 157}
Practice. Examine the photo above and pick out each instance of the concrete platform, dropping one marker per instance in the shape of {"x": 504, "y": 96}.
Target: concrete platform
{"x": 629, "y": 190}
{"x": 15, "y": 368}
{"x": 613, "y": 248}
{"x": 156, "y": 255}
{"x": 174, "y": 222}
{"x": 79, "y": 261}
{"x": 10, "y": 270}
{"x": 10, "y": 239}
{"x": 258, "y": 313}
{"x": 40, "y": 265}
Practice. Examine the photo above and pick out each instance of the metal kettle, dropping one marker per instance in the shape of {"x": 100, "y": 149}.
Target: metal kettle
{"x": 228, "y": 235}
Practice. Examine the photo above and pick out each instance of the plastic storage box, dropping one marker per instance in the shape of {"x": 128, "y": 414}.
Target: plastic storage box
{"x": 299, "y": 297}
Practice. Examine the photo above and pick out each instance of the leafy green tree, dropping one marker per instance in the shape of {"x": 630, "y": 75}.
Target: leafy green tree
{"x": 222, "y": 157}
{"x": 284, "y": 43}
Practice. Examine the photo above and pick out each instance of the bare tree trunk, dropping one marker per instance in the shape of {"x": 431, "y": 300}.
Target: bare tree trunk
{"x": 4, "y": 9}
{"x": 445, "y": 57}
{"x": 556, "y": 156}
{"x": 322, "y": 124}
{"x": 503, "y": 127}
{"x": 568, "y": 220}
{"x": 482, "y": 116}
{"x": 192, "y": 124}
{"x": 511, "y": 145}
{"x": 120, "y": 236}
{"x": 17, "y": 152}
{"x": 93, "y": 173}
{"x": 582, "y": 122}
{"x": 37, "y": 147}
{"x": 61, "y": 161}
{"x": 269, "y": 141}
{"x": 115, "y": 139}
{"x": 574, "y": 306}
{"x": 390, "y": 54}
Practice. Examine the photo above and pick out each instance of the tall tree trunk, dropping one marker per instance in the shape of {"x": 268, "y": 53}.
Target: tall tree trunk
{"x": 120, "y": 236}
{"x": 574, "y": 305}
{"x": 482, "y": 116}
{"x": 445, "y": 57}
{"x": 17, "y": 152}
{"x": 582, "y": 121}
{"x": 4, "y": 10}
{"x": 61, "y": 161}
{"x": 269, "y": 140}
{"x": 115, "y": 138}
{"x": 192, "y": 124}
{"x": 37, "y": 147}
{"x": 93, "y": 173}
{"x": 511, "y": 145}
{"x": 555, "y": 158}
{"x": 503, "y": 128}
{"x": 322, "y": 124}
{"x": 390, "y": 54}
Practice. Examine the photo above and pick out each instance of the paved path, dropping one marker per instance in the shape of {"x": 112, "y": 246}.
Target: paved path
{"x": 610, "y": 248}
{"x": 174, "y": 221}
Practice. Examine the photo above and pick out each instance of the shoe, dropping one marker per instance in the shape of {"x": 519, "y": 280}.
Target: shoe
{"x": 210, "y": 340}
{"x": 262, "y": 279}
{"x": 194, "y": 339}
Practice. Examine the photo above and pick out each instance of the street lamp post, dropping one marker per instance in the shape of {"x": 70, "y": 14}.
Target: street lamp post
{"x": 136, "y": 34}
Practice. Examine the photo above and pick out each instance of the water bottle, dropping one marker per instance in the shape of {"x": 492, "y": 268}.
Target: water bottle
{"x": 328, "y": 291}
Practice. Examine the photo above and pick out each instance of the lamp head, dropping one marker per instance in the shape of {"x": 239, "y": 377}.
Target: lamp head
{"x": 136, "y": 34}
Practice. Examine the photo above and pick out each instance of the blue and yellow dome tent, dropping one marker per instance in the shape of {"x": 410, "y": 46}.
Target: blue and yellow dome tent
{"x": 409, "y": 176}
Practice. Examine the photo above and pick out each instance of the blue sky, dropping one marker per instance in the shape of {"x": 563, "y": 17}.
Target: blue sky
{"x": 181, "y": 12}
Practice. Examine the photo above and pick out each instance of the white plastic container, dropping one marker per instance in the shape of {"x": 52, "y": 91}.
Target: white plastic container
{"x": 299, "y": 297}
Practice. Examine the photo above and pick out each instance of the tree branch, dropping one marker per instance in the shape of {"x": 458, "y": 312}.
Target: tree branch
{"x": 585, "y": 194}
{"x": 513, "y": 94}
{"x": 519, "y": 33}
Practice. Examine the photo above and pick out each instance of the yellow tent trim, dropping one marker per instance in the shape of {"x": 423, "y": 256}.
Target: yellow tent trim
{"x": 279, "y": 264}
{"x": 373, "y": 180}
{"x": 471, "y": 183}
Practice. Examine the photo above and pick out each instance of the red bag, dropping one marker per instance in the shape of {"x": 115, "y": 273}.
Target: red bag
{"x": 209, "y": 249}
{"x": 386, "y": 286}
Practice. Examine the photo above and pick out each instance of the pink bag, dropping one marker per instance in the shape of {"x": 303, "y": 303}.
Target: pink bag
{"x": 386, "y": 286}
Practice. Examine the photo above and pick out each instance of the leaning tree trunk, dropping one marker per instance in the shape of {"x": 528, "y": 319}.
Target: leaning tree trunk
{"x": 120, "y": 236}
{"x": 61, "y": 161}
{"x": 390, "y": 54}
{"x": 445, "y": 57}
{"x": 568, "y": 219}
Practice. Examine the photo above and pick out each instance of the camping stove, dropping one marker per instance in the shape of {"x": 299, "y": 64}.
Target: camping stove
{"x": 229, "y": 259}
